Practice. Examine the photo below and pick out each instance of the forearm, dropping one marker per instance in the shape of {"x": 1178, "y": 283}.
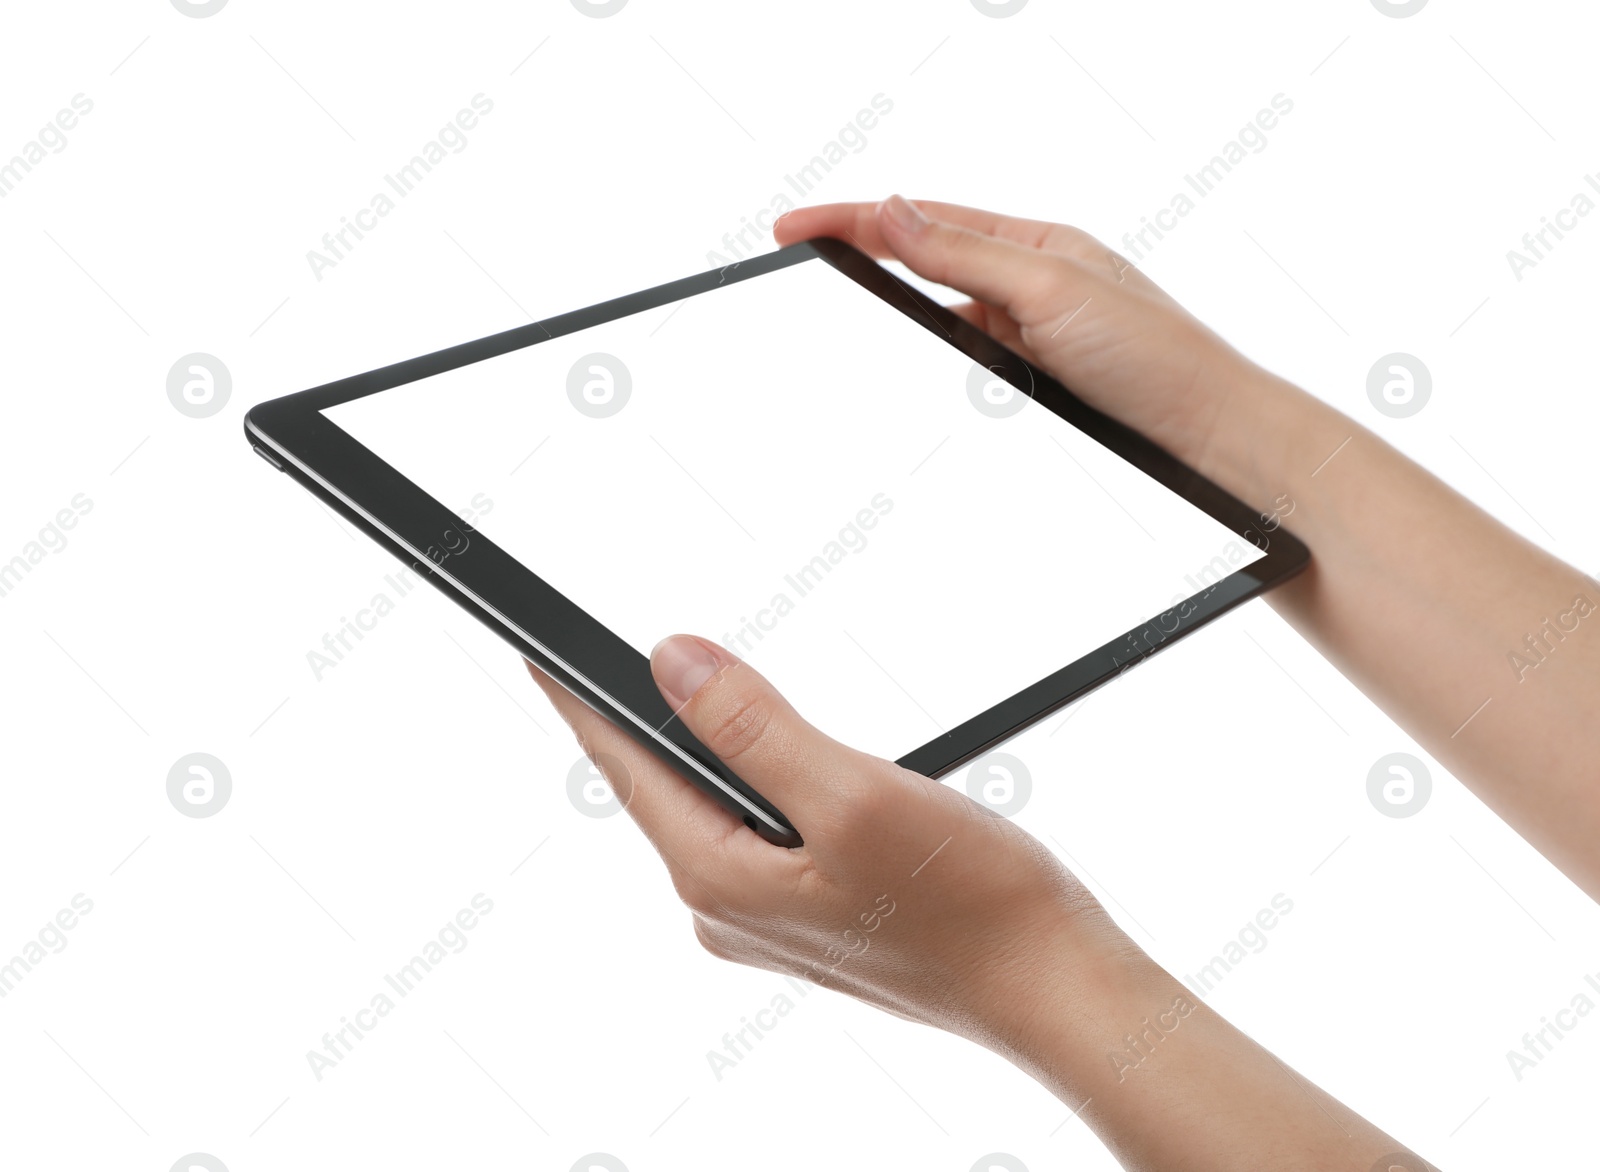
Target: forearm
{"x": 1427, "y": 604}
{"x": 1167, "y": 1084}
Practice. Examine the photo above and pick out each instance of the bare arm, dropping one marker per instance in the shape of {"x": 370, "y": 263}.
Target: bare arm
{"x": 1484, "y": 647}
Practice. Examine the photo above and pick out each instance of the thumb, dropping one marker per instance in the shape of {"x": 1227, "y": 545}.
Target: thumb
{"x": 736, "y": 713}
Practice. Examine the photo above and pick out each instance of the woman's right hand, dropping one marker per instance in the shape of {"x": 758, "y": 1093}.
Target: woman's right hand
{"x": 1068, "y": 304}
{"x": 1390, "y": 540}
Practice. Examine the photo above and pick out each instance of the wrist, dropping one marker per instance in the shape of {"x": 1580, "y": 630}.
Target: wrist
{"x": 1080, "y": 986}
{"x": 1268, "y": 439}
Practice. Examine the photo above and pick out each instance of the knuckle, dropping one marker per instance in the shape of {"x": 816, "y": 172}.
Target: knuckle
{"x": 1059, "y": 274}
{"x": 869, "y": 801}
{"x": 951, "y": 251}
{"x": 1074, "y": 242}
{"x": 1047, "y": 289}
{"x": 738, "y": 725}
{"x": 955, "y": 236}
{"x": 873, "y": 798}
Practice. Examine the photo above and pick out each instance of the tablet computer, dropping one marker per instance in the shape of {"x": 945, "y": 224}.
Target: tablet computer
{"x": 927, "y": 542}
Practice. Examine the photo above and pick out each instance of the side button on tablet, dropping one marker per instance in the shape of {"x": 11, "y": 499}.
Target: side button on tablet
{"x": 267, "y": 456}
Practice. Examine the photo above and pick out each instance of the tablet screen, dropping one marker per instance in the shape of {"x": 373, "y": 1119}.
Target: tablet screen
{"x": 793, "y": 468}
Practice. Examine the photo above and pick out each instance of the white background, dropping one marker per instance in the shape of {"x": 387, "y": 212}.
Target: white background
{"x": 369, "y": 807}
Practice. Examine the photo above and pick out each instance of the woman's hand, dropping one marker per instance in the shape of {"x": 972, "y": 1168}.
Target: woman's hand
{"x": 911, "y": 897}
{"x": 1463, "y": 631}
{"x": 1068, "y": 304}
{"x": 907, "y": 894}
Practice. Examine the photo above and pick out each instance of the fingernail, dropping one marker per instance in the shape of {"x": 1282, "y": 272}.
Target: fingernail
{"x": 681, "y": 665}
{"x": 905, "y": 214}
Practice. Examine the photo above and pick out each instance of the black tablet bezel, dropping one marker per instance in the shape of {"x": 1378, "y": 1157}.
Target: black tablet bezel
{"x": 610, "y": 675}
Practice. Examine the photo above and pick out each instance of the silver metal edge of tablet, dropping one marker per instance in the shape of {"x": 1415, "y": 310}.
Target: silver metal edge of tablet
{"x": 744, "y": 803}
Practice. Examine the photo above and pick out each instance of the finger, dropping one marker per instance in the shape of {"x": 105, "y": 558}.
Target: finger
{"x": 732, "y": 710}
{"x": 1038, "y": 289}
{"x": 858, "y": 223}
{"x": 859, "y": 220}
{"x": 1045, "y": 236}
{"x": 855, "y": 222}
{"x": 683, "y": 824}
